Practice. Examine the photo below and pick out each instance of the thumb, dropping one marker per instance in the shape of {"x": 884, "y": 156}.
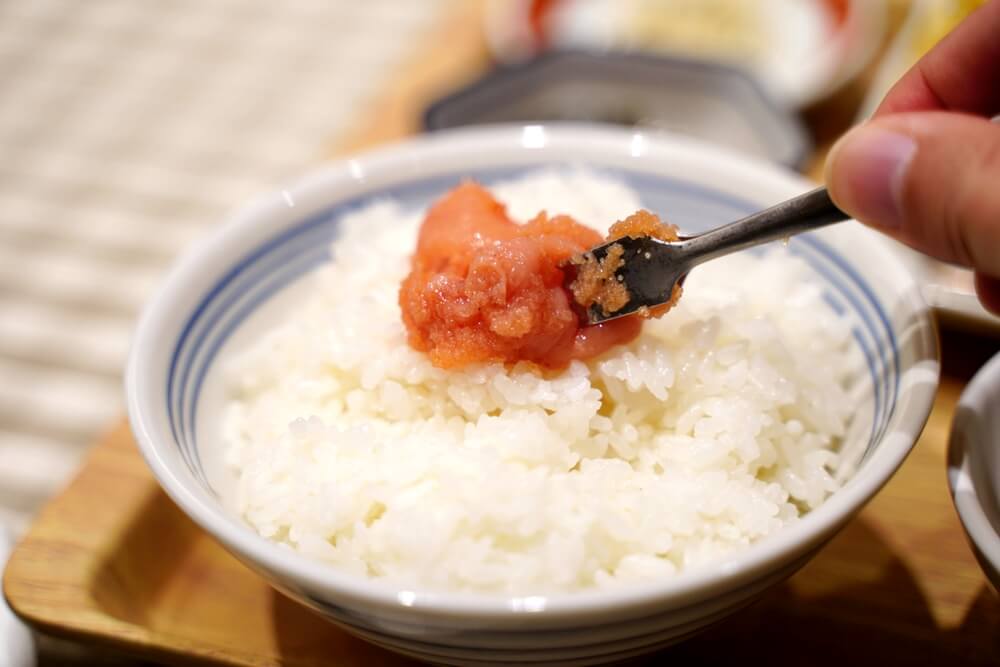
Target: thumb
{"x": 928, "y": 179}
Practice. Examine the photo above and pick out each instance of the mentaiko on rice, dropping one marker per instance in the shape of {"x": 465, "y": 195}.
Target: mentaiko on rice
{"x": 717, "y": 426}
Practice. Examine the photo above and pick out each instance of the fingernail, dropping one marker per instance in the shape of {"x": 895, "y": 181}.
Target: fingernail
{"x": 866, "y": 171}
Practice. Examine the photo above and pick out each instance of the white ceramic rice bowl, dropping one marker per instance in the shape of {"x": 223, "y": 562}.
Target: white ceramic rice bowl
{"x": 221, "y": 293}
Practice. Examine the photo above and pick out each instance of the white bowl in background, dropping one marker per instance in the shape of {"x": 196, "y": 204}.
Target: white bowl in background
{"x": 974, "y": 466}
{"x": 220, "y": 294}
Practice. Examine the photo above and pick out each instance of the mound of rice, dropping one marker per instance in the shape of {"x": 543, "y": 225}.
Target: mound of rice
{"x": 719, "y": 425}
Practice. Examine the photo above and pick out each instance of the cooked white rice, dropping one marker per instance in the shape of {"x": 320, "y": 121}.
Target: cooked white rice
{"x": 716, "y": 427}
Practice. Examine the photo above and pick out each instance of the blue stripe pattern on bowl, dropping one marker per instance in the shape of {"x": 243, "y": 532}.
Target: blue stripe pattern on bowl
{"x": 294, "y": 252}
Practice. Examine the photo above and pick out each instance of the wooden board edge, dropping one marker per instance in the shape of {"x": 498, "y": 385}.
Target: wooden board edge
{"x": 28, "y": 574}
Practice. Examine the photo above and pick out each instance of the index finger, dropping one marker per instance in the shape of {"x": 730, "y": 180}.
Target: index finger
{"x": 961, "y": 73}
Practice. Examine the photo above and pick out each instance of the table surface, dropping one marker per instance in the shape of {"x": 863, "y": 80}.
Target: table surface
{"x": 898, "y": 585}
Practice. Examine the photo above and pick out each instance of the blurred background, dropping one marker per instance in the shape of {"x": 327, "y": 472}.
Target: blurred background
{"x": 130, "y": 128}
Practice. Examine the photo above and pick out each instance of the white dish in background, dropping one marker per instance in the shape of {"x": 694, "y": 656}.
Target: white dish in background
{"x": 950, "y": 290}
{"x": 800, "y": 50}
{"x": 974, "y": 466}
{"x": 705, "y": 100}
{"x": 212, "y": 296}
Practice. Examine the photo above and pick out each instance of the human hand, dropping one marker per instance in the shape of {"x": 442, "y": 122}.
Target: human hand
{"x": 926, "y": 168}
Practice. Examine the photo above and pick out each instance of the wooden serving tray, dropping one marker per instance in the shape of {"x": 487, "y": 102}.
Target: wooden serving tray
{"x": 113, "y": 562}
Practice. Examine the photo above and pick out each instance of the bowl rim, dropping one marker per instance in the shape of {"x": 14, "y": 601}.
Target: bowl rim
{"x": 967, "y": 435}
{"x": 687, "y": 588}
